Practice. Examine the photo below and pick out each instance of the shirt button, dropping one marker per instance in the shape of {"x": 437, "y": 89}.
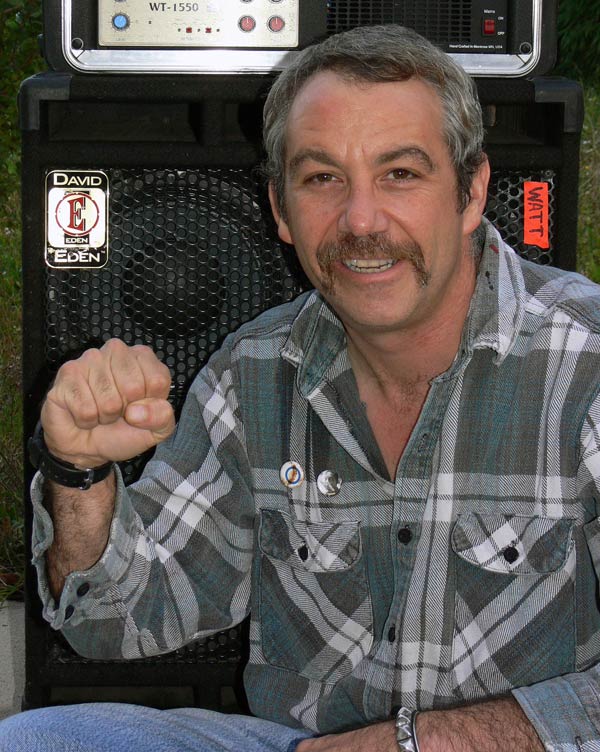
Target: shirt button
{"x": 69, "y": 611}
{"x": 404, "y": 535}
{"x": 510, "y": 554}
{"x": 83, "y": 589}
{"x": 392, "y": 634}
{"x": 303, "y": 553}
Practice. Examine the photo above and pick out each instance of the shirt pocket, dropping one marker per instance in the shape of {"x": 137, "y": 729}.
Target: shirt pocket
{"x": 514, "y": 608}
{"x": 316, "y": 615}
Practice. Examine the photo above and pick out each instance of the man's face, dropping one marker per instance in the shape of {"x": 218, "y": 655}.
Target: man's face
{"x": 372, "y": 205}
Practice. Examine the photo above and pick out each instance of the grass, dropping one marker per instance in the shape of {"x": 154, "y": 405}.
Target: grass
{"x": 11, "y": 496}
{"x": 19, "y": 24}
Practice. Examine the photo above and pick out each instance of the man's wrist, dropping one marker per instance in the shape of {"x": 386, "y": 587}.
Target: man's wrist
{"x": 60, "y": 471}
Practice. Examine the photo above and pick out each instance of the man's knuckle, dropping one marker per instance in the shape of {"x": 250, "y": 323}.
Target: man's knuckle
{"x": 111, "y": 404}
{"x": 159, "y": 380}
{"x": 113, "y": 345}
{"x": 143, "y": 350}
{"x": 85, "y": 412}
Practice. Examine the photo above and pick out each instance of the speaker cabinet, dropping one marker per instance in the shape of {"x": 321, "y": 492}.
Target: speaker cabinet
{"x": 164, "y": 237}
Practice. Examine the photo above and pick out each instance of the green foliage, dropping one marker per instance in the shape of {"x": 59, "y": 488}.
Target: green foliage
{"x": 20, "y": 24}
{"x": 579, "y": 39}
{"x": 589, "y": 188}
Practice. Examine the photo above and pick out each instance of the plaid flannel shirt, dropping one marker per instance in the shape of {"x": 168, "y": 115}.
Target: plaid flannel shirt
{"x": 471, "y": 574}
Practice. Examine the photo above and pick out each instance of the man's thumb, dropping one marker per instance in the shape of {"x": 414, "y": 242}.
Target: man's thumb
{"x": 151, "y": 414}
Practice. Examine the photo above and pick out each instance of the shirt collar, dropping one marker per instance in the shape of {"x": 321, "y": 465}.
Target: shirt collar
{"x": 317, "y": 340}
{"x": 499, "y": 301}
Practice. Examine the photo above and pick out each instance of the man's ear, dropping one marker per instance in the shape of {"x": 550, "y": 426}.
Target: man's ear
{"x": 479, "y": 186}
{"x": 282, "y": 226}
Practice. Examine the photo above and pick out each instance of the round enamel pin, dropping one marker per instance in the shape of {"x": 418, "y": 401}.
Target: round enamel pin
{"x": 291, "y": 474}
{"x": 329, "y": 483}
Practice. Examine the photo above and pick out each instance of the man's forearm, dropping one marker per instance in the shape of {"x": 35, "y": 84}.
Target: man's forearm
{"x": 81, "y": 522}
{"x": 494, "y": 726}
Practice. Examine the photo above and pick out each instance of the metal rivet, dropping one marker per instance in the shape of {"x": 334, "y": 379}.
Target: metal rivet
{"x": 291, "y": 474}
{"x": 329, "y": 483}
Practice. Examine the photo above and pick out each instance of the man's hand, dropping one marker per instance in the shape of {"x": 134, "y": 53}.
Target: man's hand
{"x": 494, "y": 726}
{"x": 108, "y": 405}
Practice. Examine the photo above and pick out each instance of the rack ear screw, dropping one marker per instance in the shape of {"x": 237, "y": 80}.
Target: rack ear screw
{"x": 525, "y": 48}
{"x": 77, "y": 43}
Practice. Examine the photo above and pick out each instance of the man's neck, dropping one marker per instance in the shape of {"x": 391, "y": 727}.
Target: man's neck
{"x": 394, "y": 371}
{"x": 407, "y": 359}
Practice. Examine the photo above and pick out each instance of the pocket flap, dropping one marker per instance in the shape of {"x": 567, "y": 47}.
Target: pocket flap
{"x": 312, "y": 546}
{"x": 512, "y": 544}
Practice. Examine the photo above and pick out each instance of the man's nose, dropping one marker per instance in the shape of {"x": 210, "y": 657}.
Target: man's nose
{"x": 363, "y": 213}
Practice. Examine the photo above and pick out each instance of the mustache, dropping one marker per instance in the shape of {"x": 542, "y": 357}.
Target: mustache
{"x": 373, "y": 246}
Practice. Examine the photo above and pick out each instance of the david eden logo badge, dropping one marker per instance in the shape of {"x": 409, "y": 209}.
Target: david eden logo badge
{"x": 76, "y": 219}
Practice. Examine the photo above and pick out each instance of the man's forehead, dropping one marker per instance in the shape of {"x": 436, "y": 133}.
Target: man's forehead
{"x": 401, "y": 117}
{"x": 326, "y": 82}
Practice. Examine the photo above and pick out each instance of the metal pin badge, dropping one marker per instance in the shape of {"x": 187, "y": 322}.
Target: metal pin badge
{"x": 291, "y": 474}
{"x": 329, "y": 483}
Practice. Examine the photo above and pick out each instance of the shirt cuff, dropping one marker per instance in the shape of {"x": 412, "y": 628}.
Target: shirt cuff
{"x": 83, "y": 589}
{"x": 564, "y": 711}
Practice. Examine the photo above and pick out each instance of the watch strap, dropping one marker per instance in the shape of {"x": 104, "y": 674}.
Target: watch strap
{"x": 62, "y": 472}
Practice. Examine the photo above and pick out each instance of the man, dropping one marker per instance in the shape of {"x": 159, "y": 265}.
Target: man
{"x": 396, "y": 475}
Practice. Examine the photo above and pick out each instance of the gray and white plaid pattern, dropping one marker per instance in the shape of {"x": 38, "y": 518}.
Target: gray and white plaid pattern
{"x": 493, "y": 588}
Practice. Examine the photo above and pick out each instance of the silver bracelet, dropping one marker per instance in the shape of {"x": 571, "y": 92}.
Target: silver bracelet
{"x": 405, "y": 730}
{"x": 413, "y": 728}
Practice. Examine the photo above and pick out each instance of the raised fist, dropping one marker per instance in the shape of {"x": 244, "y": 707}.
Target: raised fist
{"x": 108, "y": 405}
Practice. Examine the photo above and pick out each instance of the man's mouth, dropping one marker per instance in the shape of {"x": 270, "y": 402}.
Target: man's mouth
{"x": 368, "y": 266}
{"x": 369, "y": 254}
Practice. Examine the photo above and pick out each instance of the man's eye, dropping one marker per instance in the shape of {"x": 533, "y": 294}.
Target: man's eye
{"x": 401, "y": 174}
{"x": 321, "y": 177}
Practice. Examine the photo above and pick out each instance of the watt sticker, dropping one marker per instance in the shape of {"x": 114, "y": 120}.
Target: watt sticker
{"x": 535, "y": 214}
{"x": 76, "y": 219}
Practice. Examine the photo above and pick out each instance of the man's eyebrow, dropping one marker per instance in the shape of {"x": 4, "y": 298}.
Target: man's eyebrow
{"x": 412, "y": 152}
{"x": 315, "y": 155}
{"x": 322, "y": 157}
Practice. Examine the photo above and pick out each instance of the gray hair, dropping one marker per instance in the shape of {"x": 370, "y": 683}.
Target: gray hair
{"x": 379, "y": 54}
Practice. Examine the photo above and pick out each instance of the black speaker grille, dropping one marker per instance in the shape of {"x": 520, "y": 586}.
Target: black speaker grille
{"x": 194, "y": 254}
{"x": 505, "y": 208}
{"x": 442, "y": 22}
{"x": 191, "y": 258}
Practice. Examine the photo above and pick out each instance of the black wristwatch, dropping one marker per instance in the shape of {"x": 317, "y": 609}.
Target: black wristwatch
{"x": 61, "y": 472}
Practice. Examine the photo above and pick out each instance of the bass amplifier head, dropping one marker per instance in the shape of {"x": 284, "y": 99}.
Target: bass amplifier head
{"x": 506, "y": 38}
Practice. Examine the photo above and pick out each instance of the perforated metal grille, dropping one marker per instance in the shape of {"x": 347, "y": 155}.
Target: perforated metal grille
{"x": 191, "y": 258}
{"x": 194, "y": 254}
{"x": 445, "y": 22}
{"x": 505, "y": 208}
